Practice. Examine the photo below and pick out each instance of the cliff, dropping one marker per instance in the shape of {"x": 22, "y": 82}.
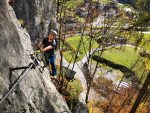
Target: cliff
{"x": 37, "y": 16}
{"x": 35, "y": 93}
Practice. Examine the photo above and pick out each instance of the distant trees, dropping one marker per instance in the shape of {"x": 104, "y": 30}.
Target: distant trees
{"x": 106, "y": 33}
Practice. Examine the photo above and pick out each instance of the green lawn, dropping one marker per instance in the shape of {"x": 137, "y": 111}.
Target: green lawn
{"x": 146, "y": 40}
{"x": 84, "y": 46}
{"x": 68, "y": 55}
{"x": 126, "y": 56}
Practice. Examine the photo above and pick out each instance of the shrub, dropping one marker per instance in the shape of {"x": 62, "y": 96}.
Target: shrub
{"x": 73, "y": 91}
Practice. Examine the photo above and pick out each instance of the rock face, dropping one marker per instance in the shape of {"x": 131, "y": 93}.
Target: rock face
{"x": 38, "y": 16}
{"x": 81, "y": 108}
{"x": 35, "y": 93}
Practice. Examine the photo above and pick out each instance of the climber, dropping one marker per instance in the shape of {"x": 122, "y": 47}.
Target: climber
{"x": 48, "y": 47}
{"x": 54, "y": 33}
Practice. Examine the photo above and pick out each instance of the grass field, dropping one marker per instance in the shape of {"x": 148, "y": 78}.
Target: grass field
{"x": 117, "y": 55}
{"x": 83, "y": 49}
{"x": 126, "y": 56}
{"x": 146, "y": 42}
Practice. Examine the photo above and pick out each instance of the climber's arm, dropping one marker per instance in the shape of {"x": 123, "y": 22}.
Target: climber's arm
{"x": 46, "y": 48}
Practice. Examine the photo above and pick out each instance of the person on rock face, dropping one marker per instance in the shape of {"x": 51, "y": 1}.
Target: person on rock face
{"x": 48, "y": 47}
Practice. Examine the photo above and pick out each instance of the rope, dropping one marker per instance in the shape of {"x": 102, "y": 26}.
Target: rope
{"x": 19, "y": 80}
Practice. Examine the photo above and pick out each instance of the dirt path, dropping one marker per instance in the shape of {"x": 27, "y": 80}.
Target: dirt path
{"x": 146, "y": 32}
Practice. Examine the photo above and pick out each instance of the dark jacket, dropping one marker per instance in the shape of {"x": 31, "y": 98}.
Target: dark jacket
{"x": 47, "y": 43}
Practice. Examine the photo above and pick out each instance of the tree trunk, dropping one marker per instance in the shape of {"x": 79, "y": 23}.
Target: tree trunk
{"x": 141, "y": 94}
{"x": 87, "y": 94}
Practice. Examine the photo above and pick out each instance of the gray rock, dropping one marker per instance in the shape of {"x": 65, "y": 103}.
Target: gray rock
{"x": 35, "y": 93}
{"x": 81, "y": 108}
{"x": 38, "y": 16}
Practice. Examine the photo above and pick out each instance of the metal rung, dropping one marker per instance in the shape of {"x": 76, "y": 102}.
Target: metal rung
{"x": 18, "y": 68}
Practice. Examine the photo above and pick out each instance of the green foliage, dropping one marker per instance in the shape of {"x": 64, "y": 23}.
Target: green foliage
{"x": 21, "y": 21}
{"x": 82, "y": 20}
{"x": 23, "y": 24}
{"x": 103, "y": 1}
{"x": 142, "y": 4}
{"x": 72, "y": 4}
{"x": 73, "y": 90}
{"x": 69, "y": 9}
{"x": 146, "y": 42}
{"x": 139, "y": 39}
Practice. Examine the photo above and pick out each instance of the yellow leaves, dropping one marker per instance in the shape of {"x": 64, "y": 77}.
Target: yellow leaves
{"x": 143, "y": 108}
{"x": 94, "y": 107}
{"x": 147, "y": 64}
